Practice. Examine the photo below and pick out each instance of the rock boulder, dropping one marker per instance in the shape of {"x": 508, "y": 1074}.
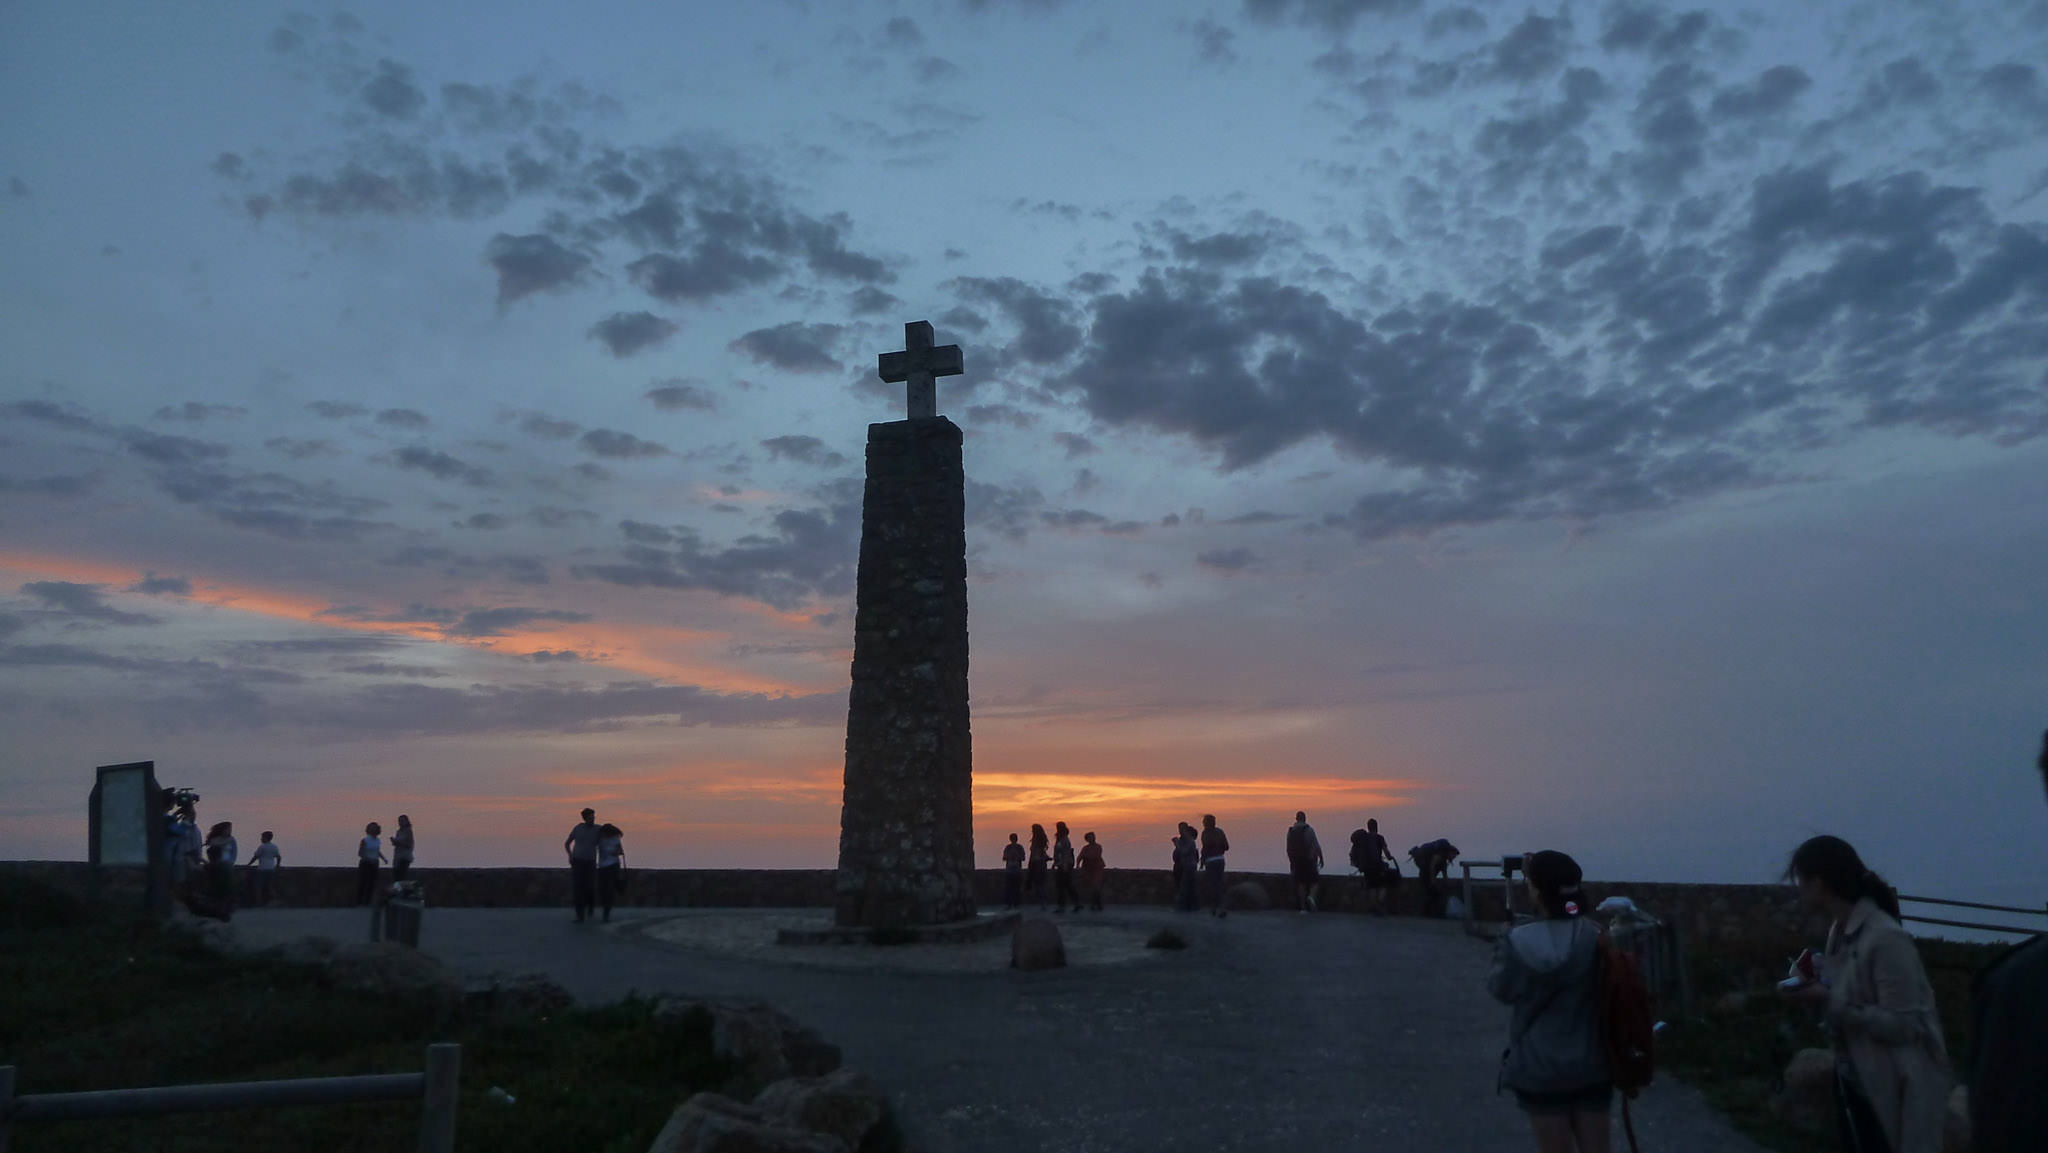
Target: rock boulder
{"x": 390, "y": 970}
{"x": 711, "y": 1123}
{"x": 844, "y": 1104}
{"x": 763, "y": 1044}
{"x": 1036, "y": 944}
{"x": 1808, "y": 1098}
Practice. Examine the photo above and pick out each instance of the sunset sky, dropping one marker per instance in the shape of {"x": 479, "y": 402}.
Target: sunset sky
{"x": 1602, "y": 426}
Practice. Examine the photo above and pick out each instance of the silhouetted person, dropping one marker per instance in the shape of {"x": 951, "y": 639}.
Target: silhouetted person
{"x": 1092, "y": 867}
{"x": 369, "y": 855}
{"x": 1063, "y": 868}
{"x": 1374, "y": 862}
{"x": 221, "y": 854}
{"x": 1034, "y": 872}
{"x": 1891, "y": 1063}
{"x": 1013, "y": 874}
{"x": 1304, "y": 861}
{"x": 611, "y": 865}
{"x": 2009, "y": 1062}
{"x": 1187, "y": 854}
{"x": 1433, "y": 863}
{"x": 265, "y": 860}
{"x": 401, "y": 848}
{"x": 1555, "y": 1062}
{"x": 581, "y": 845}
{"x": 1214, "y": 845}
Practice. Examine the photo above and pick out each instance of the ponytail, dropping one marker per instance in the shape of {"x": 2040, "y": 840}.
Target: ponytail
{"x": 1834, "y": 863}
{"x": 1556, "y": 878}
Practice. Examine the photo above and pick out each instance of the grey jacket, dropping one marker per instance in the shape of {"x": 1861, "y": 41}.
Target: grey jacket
{"x": 1545, "y": 969}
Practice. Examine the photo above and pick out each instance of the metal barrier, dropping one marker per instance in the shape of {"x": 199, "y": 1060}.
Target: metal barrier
{"x": 1508, "y": 867}
{"x": 2039, "y": 912}
{"x": 436, "y": 1087}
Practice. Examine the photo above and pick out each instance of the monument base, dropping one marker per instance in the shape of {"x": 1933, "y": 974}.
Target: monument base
{"x": 979, "y": 928}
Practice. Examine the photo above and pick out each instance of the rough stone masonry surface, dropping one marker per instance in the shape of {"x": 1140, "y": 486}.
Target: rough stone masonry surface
{"x": 1270, "y": 1032}
{"x": 906, "y": 841}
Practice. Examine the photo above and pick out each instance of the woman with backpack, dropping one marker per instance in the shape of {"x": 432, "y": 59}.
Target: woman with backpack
{"x": 1892, "y": 1074}
{"x": 1548, "y": 969}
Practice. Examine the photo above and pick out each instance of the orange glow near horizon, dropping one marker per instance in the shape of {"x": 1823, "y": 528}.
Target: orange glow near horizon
{"x": 623, "y": 646}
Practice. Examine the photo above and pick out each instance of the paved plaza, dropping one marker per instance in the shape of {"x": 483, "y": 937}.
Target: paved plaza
{"x": 1272, "y": 1031}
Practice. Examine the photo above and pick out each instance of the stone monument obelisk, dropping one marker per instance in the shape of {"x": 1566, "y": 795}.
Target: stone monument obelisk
{"x": 906, "y": 827}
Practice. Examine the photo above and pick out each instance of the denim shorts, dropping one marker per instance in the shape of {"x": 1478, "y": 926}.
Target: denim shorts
{"x": 1591, "y": 1099}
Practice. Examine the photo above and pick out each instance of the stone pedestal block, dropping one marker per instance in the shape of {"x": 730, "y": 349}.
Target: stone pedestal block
{"x": 906, "y": 841}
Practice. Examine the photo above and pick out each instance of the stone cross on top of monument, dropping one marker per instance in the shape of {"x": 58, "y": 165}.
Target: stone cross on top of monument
{"x": 917, "y": 365}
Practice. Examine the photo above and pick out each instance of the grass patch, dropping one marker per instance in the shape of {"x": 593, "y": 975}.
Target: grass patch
{"x": 106, "y": 1005}
{"x": 1736, "y": 1059}
{"x": 1167, "y": 939}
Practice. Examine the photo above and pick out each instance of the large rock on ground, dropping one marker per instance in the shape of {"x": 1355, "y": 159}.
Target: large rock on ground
{"x": 390, "y": 970}
{"x": 844, "y": 1104}
{"x": 711, "y": 1123}
{"x": 1247, "y": 895}
{"x": 764, "y": 1044}
{"x": 524, "y": 995}
{"x": 1808, "y": 1099}
{"x": 1036, "y": 944}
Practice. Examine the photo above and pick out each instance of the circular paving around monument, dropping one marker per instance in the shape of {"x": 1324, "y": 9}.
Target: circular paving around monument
{"x": 1092, "y": 941}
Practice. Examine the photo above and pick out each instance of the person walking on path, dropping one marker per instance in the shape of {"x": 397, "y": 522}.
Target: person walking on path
{"x": 1547, "y": 969}
{"x": 611, "y": 866}
{"x": 1187, "y": 859}
{"x": 1305, "y": 861}
{"x": 1214, "y": 845}
{"x": 1092, "y": 867}
{"x": 1063, "y": 868}
{"x": 401, "y": 848}
{"x": 265, "y": 861}
{"x": 1034, "y": 872}
{"x": 1892, "y": 1074}
{"x": 1377, "y": 864}
{"x": 1013, "y": 874}
{"x": 2009, "y": 1062}
{"x": 369, "y": 855}
{"x": 581, "y": 845}
{"x": 221, "y": 855}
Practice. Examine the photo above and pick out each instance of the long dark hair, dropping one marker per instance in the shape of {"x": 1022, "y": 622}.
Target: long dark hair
{"x": 1556, "y": 877}
{"x": 1833, "y": 861}
{"x": 1037, "y": 836}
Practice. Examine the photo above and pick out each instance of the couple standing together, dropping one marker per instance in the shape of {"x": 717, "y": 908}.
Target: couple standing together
{"x": 1199, "y": 853}
{"x": 597, "y": 865}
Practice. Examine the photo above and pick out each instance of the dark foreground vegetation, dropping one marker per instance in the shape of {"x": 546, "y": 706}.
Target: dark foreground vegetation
{"x": 95, "y": 1004}
{"x": 1736, "y": 1055}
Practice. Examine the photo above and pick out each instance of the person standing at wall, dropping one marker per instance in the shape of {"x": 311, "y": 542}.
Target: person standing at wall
{"x": 1063, "y": 889}
{"x": 1214, "y": 846}
{"x": 1092, "y": 868}
{"x": 221, "y": 854}
{"x": 581, "y": 845}
{"x": 2009, "y": 1062}
{"x": 1892, "y": 1074}
{"x": 1304, "y": 861}
{"x": 1377, "y": 864}
{"x": 265, "y": 861}
{"x": 1556, "y": 1061}
{"x": 401, "y": 848}
{"x": 1034, "y": 872}
{"x": 369, "y": 855}
{"x": 1187, "y": 856}
{"x": 1013, "y": 874}
{"x": 611, "y": 866}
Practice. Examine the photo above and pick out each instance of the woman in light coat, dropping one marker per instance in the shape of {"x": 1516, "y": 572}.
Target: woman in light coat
{"x": 1891, "y": 1062}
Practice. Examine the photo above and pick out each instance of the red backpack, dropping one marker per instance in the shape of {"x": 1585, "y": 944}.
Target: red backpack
{"x": 1628, "y": 1028}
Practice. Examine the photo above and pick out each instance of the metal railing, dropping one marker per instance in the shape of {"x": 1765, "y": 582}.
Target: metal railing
{"x": 436, "y": 1088}
{"x": 1508, "y": 868}
{"x": 2042, "y": 912}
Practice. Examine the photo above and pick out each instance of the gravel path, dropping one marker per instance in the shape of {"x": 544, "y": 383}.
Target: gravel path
{"x": 1271, "y": 1032}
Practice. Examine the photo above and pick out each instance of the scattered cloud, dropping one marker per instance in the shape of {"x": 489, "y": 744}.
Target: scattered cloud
{"x": 793, "y": 347}
{"x": 627, "y": 333}
{"x": 81, "y": 602}
{"x": 804, "y": 450}
{"x": 614, "y": 445}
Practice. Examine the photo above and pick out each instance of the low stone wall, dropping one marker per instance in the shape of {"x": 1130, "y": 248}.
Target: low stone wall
{"x": 1752, "y": 916}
